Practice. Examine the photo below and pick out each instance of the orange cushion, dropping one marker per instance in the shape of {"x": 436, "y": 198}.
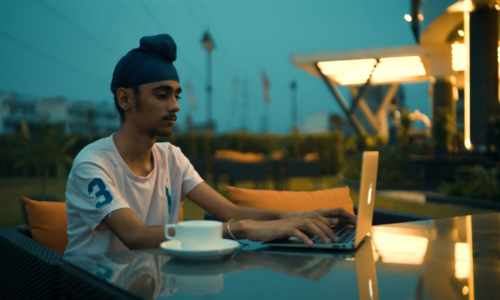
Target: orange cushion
{"x": 239, "y": 156}
{"x": 291, "y": 201}
{"x": 310, "y": 157}
{"x": 181, "y": 212}
{"x": 48, "y": 222}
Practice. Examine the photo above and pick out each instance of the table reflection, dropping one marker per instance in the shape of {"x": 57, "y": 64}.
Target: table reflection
{"x": 440, "y": 251}
{"x": 454, "y": 258}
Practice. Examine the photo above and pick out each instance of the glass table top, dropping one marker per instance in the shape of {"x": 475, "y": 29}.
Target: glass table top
{"x": 452, "y": 258}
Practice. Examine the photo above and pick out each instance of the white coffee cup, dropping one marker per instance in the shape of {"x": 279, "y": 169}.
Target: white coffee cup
{"x": 196, "y": 235}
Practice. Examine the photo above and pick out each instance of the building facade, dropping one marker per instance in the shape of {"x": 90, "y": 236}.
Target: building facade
{"x": 84, "y": 117}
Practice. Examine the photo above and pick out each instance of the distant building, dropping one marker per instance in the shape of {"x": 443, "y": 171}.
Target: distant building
{"x": 14, "y": 110}
{"x": 88, "y": 117}
{"x": 316, "y": 123}
{"x": 84, "y": 117}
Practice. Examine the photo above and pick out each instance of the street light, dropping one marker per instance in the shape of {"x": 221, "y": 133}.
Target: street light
{"x": 208, "y": 43}
{"x": 293, "y": 86}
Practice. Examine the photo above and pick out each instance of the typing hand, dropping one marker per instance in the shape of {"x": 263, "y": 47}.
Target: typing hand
{"x": 301, "y": 228}
{"x": 333, "y": 216}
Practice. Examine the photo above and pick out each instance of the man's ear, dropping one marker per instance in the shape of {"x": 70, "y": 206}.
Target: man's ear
{"x": 124, "y": 98}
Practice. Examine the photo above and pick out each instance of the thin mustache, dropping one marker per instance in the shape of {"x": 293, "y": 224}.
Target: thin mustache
{"x": 170, "y": 118}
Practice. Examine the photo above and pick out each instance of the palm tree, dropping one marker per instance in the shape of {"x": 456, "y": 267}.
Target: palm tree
{"x": 45, "y": 148}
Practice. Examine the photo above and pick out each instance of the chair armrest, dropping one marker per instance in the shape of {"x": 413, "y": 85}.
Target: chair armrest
{"x": 23, "y": 229}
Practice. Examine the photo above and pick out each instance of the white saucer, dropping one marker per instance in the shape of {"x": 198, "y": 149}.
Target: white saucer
{"x": 174, "y": 248}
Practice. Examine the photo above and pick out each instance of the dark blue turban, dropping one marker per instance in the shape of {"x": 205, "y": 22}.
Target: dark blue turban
{"x": 151, "y": 62}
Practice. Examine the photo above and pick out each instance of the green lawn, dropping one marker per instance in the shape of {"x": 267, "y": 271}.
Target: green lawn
{"x": 12, "y": 189}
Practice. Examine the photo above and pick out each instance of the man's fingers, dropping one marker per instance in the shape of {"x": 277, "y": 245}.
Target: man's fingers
{"x": 317, "y": 215}
{"x": 317, "y": 228}
{"x": 301, "y": 236}
{"x": 328, "y": 231}
{"x": 343, "y": 216}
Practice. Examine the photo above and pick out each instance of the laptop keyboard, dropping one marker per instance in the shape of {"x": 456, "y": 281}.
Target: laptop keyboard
{"x": 345, "y": 234}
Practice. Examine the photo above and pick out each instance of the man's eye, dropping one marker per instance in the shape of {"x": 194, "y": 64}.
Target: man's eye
{"x": 178, "y": 97}
{"x": 162, "y": 95}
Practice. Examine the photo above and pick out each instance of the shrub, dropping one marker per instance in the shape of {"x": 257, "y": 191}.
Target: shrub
{"x": 474, "y": 182}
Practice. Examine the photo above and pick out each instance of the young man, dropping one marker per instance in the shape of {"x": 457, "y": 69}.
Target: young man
{"x": 123, "y": 189}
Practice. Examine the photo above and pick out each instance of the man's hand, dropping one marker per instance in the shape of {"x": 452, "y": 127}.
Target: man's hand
{"x": 301, "y": 228}
{"x": 336, "y": 216}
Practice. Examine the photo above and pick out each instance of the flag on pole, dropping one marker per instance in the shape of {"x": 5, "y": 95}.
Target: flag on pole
{"x": 265, "y": 82}
{"x": 192, "y": 97}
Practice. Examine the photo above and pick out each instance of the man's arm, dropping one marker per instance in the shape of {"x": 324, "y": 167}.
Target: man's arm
{"x": 279, "y": 225}
{"x": 130, "y": 229}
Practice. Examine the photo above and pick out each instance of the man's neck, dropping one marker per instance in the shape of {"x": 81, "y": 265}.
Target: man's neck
{"x": 135, "y": 149}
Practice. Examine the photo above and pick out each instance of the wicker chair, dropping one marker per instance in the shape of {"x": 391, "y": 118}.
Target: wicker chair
{"x": 33, "y": 271}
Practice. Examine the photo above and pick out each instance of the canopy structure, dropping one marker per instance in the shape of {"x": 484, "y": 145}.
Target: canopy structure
{"x": 374, "y": 67}
{"x": 457, "y": 51}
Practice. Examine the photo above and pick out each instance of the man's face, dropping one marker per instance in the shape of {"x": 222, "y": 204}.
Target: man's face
{"x": 155, "y": 109}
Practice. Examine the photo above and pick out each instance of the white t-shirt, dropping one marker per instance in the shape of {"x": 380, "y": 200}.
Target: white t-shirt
{"x": 100, "y": 182}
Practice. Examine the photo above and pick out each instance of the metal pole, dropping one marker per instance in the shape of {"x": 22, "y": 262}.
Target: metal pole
{"x": 209, "y": 90}
{"x": 293, "y": 85}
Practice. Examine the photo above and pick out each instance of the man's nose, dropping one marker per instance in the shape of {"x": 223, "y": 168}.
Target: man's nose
{"x": 174, "y": 106}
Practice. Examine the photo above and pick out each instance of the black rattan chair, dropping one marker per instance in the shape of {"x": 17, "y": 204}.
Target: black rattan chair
{"x": 298, "y": 167}
{"x": 257, "y": 172}
{"x": 30, "y": 270}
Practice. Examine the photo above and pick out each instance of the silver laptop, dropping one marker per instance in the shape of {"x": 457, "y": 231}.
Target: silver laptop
{"x": 350, "y": 237}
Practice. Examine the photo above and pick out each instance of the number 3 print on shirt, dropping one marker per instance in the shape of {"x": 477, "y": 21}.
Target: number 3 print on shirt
{"x": 169, "y": 200}
{"x": 102, "y": 192}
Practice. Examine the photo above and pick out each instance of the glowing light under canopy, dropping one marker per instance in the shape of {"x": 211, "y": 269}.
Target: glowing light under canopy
{"x": 459, "y": 56}
{"x": 388, "y": 69}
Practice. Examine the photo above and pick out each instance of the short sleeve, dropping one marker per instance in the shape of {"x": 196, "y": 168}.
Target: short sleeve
{"x": 93, "y": 193}
{"x": 190, "y": 178}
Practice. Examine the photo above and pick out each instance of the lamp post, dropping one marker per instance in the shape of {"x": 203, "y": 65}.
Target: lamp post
{"x": 208, "y": 43}
{"x": 293, "y": 86}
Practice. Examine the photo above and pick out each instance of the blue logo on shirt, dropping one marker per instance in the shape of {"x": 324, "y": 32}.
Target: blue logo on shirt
{"x": 169, "y": 200}
{"x": 102, "y": 192}
{"x": 107, "y": 271}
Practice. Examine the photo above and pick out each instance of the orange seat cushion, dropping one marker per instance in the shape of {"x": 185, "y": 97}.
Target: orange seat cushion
{"x": 48, "y": 222}
{"x": 181, "y": 212}
{"x": 239, "y": 156}
{"x": 291, "y": 201}
{"x": 310, "y": 157}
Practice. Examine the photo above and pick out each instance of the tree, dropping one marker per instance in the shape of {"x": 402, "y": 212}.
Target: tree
{"x": 45, "y": 149}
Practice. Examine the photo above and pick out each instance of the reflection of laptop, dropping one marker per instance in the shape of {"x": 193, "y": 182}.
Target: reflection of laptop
{"x": 366, "y": 272}
{"x": 350, "y": 237}
{"x": 363, "y": 257}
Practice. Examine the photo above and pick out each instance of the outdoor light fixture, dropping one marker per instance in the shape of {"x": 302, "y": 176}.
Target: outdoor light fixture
{"x": 467, "y": 141}
{"x": 497, "y": 7}
{"x": 461, "y": 32}
{"x": 386, "y": 70}
{"x": 208, "y": 43}
{"x": 408, "y": 18}
{"x": 458, "y": 57}
{"x": 421, "y": 17}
